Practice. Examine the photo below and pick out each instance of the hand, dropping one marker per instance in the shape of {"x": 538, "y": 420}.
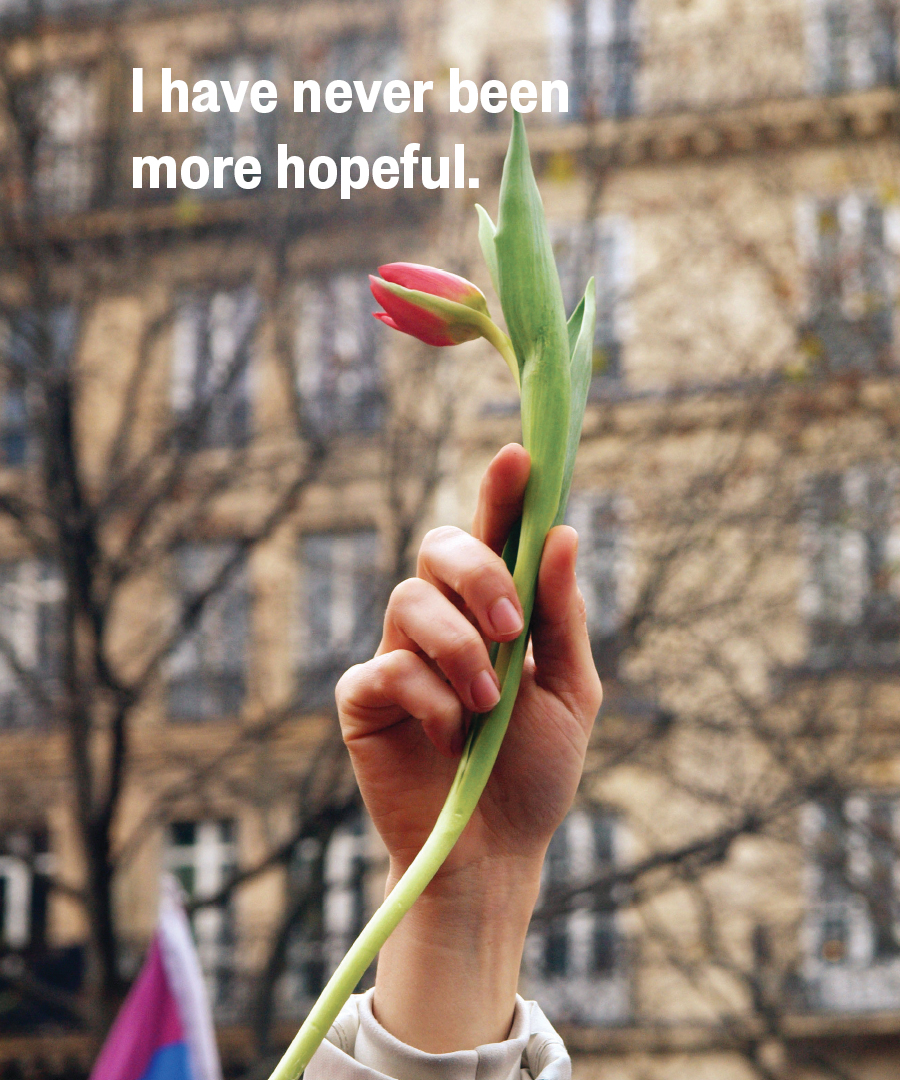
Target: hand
{"x": 404, "y": 715}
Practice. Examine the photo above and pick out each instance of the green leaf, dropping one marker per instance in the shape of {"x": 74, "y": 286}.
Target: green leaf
{"x": 535, "y": 317}
{"x": 486, "y": 232}
{"x": 526, "y": 269}
{"x": 573, "y": 326}
{"x": 581, "y": 349}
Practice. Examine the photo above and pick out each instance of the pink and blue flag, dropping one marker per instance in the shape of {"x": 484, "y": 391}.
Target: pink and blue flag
{"x": 164, "y": 1030}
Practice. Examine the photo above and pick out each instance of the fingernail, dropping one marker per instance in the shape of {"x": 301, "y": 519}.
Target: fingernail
{"x": 504, "y": 618}
{"x": 484, "y": 690}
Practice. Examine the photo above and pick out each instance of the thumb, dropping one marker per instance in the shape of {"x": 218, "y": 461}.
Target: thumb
{"x": 562, "y": 650}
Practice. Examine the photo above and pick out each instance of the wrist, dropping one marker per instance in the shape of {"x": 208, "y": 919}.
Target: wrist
{"x": 447, "y": 977}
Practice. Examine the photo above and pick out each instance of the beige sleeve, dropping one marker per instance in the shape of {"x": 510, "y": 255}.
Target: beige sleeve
{"x": 359, "y": 1048}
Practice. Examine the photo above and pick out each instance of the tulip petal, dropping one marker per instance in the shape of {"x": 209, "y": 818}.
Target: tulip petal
{"x": 431, "y": 319}
{"x": 429, "y": 279}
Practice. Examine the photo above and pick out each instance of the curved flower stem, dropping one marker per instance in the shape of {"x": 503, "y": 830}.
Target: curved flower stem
{"x": 520, "y": 257}
{"x": 472, "y": 774}
{"x": 492, "y": 333}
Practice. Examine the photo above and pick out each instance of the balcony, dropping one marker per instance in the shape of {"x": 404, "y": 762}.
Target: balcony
{"x": 683, "y": 87}
{"x": 86, "y": 190}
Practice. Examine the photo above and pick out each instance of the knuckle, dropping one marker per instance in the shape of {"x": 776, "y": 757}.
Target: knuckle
{"x": 347, "y": 683}
{"x": 388, "y": 671}
{"x": 463, "y": 649}
{"x": 437, "y": 538}
{"x": 446, "y": 709}
{"x": 485, "y": 576}
{"x": 405, "y": 593}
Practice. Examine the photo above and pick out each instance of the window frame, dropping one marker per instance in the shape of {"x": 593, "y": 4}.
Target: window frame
{"x": 850, "y": 594}
{"x": 848, "y": 321}
{"x": 867, "y": 56}
{"x": 337, "y": 361}
{"x": 578, "y": 994}
{"x": 221, "y": 683}
{"x": 214, "y": 858}
{"x": 590, "y": 42}
{"x": 342, "y": 876}
{"x": 211, "y": 392}
{"x": 856, "y": 978}
{"x": 36, "y": 621}
{"x": 325, "y": 653}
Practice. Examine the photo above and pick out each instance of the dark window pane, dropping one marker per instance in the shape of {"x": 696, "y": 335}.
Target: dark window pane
{"x": 338, "y": 374}
{"x": 182, "y": 833}
{"x": 339, "y": 609}
{"x": 212, "y": 344}
{"x": 851, "y": 323}
{"x": 207, "y": 672}
{"x": 850, "y": 597}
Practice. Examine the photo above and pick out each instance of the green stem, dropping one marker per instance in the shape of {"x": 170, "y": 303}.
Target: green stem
{"x": 492, "y": 333}
{"x": 478, "y": 757}
{"x": 472, "y": 774}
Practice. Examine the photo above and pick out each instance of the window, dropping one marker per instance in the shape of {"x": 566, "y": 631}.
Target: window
{"x": 212, "y": 346}
{"x": 14, "y": 428}
{"x": 574, "y": 961}
{"x": 207, "y": 671}
{"x": 65, "y": 107}
{"x": 602, "y": 562}
{"x": 242, "y": 133}
{"x": 24, "y": 886}
{"x": 597, "y": 249}
{"x": 852, "y": 933}
{"x": 851, "y": 543}
{"x": 852, "y": 44}
{"x": 31, "y": 594}
{"x": 336, "y": 355}
{"x": 594, "y": 49}
{"x": 203, "y": 856}
{"x": 850, "y": 323}
{"x": 368, "y": 59}
{"x": 341, "y": 586}
{"x": 31, "y": 346}
{"x": 12, "y": 10}
{"x": 338, "y": 914}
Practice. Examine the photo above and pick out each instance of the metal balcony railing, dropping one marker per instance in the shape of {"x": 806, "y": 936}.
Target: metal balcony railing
{"x": 96, "y": 172}
{"x": 665, "y": 68}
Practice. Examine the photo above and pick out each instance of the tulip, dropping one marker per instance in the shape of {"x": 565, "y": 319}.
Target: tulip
{"x": 441, "y": 326}
{"x": 551, "y": 360}
{"x": 437, "y": 307}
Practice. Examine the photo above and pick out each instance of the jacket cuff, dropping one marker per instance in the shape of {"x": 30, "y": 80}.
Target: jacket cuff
{"x": 359, "y": 1048}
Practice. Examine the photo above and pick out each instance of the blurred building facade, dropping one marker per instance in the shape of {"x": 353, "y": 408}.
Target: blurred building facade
{"x": 723, "y": 899}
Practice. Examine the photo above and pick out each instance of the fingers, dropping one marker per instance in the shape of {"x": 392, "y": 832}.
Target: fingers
{"x": 500, "y": 496}
{"x": 463, "y": 595}
{"x": 420, "y": 618}
{"x": 393, "y": 687}
{"x": 562, "y": 651}
{"x": 461, "y": 566}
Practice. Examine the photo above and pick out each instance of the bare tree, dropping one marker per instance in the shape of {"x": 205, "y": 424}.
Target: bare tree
{"x": 140, "y": 484}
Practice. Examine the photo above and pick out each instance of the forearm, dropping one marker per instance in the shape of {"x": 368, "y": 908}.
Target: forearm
{"x": 447, "y": 976}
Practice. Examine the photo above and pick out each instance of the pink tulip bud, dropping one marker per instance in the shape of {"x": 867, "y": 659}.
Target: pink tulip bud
{"x": 439, "y": 319}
